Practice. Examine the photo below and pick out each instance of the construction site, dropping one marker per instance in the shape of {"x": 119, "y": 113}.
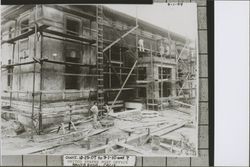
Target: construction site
{"x": 58, "y": 62}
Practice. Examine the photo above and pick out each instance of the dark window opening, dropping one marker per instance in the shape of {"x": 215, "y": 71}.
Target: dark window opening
{"x": 166, "y": 89}
{"x": 10, "y": 32}
{"x": 24, "y": 48}
{"x": 165, "y": 74}
{"x": 115, "y": 53}
{"x": 71, "y": 81}
{"x": 142, "y": 92}
{"x": 142, "y": 73}
{"x": 115, "y": 82}
{"x": 86, "y": 27}
{"x": 106, "y": 81}
{"x": 9, "y": 75}
{"x": 72, "y": 27}
{"x": 24, "y": 26}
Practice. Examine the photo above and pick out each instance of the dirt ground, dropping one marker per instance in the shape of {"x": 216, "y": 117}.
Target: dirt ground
{"x": 24, "y": 144}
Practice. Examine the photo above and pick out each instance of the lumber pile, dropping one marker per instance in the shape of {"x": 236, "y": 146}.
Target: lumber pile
{"x": 48, "y": 146}
{"x": 159, "y": 131}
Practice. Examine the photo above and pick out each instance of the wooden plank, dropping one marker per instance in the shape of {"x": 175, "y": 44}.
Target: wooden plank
{"x": 157, "y": 129}
{"x": 58, "y": 137}
{"x": 69, "y": 36}
{"x": 166, "y": 131}
{"x": 129, "y": 139}
{"x": 185, "y": 112}
{"x": 18, "y": 64}
{"x": 142, "y": 82}
{"x": 117, "y": 89}
{"x": 124, "y": 35}
{"x": 124, "y": 83}
{"x": 143, "y": 152}
{"x": 68, "y": 63}
{"x": 146, "y": 124}
{"x": 54, "y": 129}
{"x": 40, "y": 148}
{"x": 116, "y": 62}
{"x": 185, "y": 104}
{"x": 168, "y": 146}
{"x": 112, "y": 144}
{"x": 97, "y": 149}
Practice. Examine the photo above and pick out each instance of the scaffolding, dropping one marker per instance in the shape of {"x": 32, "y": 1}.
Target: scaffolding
{"x": 105, "y": 66}
{"x": 39, "y": 32}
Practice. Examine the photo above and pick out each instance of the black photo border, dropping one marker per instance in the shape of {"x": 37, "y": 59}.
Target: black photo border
{"x": 210, "y": 43}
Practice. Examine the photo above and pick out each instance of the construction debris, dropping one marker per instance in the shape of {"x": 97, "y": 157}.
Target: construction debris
{"x": 12, "y": 128}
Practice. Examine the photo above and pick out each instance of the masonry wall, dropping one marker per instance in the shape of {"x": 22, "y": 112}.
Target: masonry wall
{"x": 202, "y": 160}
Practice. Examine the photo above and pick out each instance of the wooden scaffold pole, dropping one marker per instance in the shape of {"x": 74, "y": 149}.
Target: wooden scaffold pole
{"x": 34, "y": 74}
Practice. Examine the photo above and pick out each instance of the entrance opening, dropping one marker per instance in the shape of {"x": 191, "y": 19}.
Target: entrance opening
{"x": 164, "y": 73}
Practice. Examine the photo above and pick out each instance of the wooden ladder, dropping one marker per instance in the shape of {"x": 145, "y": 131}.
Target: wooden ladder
{"x": 99, "y": 46}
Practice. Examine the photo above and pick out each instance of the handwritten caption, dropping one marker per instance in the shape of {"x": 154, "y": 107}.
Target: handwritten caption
{"x": 99, "y": 160}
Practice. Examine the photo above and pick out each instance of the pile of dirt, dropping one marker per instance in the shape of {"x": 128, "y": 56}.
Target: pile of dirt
{"x": 11, "y": 128}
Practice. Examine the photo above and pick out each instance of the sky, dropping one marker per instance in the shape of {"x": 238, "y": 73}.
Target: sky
{"x": 176, "y": 18}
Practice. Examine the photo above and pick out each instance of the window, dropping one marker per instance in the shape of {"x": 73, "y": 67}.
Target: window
{"x": 167, "y": 87}
{"x": 24, "y": 48}
{"x": 24, "y": 26}
{"x": 86, "y": 30}
{"x": 72, "y": 81}
{"x": 165, "y": 74}
{"x": 72, "y": 27}
{"x": 10, "y": 32}
{"x": 142, "y": 73}
{"x": 142, "y": 92}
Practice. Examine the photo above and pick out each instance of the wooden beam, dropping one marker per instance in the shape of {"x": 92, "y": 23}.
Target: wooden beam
{"x": 117, "y": 89}
{"x": 61, "y": 136}
{"x": 99, "y": 148}
{"x": 67, "y": 63}
{"x": 146, "y": 124}
{"x": 124, "y": 35}
{"x": 182, "y": 51}
{"x": 46, "y": 147}
{"x": 67, "y": 40}
{"x": 124, "y": 83}
{"x": 133, "y": 148}
{"x": 18, "y": 64}
{"x": 168, "y": 130}
{"x": 183, "y": 85}
{"x": 129, "y": 139}
{"x": 171, "y": 147}
{"x": 185, "y": 104}
{"x": 90, "y": 41}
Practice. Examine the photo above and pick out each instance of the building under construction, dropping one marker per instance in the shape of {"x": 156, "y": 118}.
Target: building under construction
{"x": 58, "y": 59}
